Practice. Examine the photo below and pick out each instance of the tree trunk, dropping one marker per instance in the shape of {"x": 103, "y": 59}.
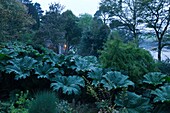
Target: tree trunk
{"x": 67, "y": 47}
{"x": 136, "y": 40}
{"x": 159, "y": 48}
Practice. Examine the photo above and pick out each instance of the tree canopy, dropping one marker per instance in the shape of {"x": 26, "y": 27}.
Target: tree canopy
{"x": 14, "y": 19}
{"x": 94, "y": 34}
{"x": 156, "y": 15}
{"x": 124, "y": 13}
{"x": 132, "y": 15}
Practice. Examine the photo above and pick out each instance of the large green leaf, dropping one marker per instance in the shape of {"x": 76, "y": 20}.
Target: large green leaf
{"x": 21, "y": 67}
{"x": 69, "y": 85}
{"x": 154, "y": 78}
{"x": 17, "y": 49}
{"x": 85, "y": 63}
{"x": 45, "y": 70}
{"x": 96, "y": 75}
{"x": 114, "y": 80}
{"x": 69, "y": 61}
{"x": 9, "y": 51}
{"x": 162, "y": 94}
{"x": 91, "y": 59}
{"x": 53, "y": 58}
{"x": 132, "y": 103}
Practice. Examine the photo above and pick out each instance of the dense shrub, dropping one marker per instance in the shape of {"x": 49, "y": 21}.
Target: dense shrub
{"x": 164, "y": 66}
{"x": 127, "y": 57}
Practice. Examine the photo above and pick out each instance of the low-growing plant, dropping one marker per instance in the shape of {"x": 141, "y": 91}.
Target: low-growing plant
{"x": 161, "y": 99}
{"x": 22, "y": 67}
{"x": 4, "y": 106}
{"x": 104, "y": 106}
{"x": 44, "y": 102}
{"x": 96, "y": 75}
{"x": 21, "y": 104}
{"x": 113, "y": 80}
{"x": 17, "y": 49}
{"x": 69, "y": 85}
{"x": 132, "y": 103}
{"x": 162, "y": 94}
{"x": 63, "y": 107}
{"x": 86, "y": 63}
{"x": 154, "y": 78}
{"x": 105, "y": 86}
{"x": 83, "y": 108}
{"x": 74, "y": 107}
{"x": 44, "y": 70}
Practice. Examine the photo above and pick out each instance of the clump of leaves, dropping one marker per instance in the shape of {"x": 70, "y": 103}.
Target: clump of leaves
{"x": 154, "y": 78}
{"x": 74, "y": 107}
{"x": 53, "y": 58}
{"x": 132, "y": 103}
{"x": 96, "y": 75}
{"x": 63, "y": 107}
{"x": 162, "y": 94}
{"x": 17, "y": 49}
{"x": 114, "y": 80}
{"x": 21, "y": 67}
{"x": 4, "y": 106}
{"x": 104, "y": 106}
{"x": 45, "y": 70}
{"x": 69, "y": 85}
{"x": 85, "y": 63}
{"x": 21, "y": 104}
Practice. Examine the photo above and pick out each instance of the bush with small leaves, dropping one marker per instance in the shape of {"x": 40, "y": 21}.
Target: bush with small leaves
{"x": 21, "y": 104}
{"x": 128, "y": 58}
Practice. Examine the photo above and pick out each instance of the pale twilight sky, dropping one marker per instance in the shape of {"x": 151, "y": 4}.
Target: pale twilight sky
{"x": 76, "y": 6}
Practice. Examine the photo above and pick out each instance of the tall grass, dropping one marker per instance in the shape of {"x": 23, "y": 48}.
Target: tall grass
{"x": 44, "y": 103}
